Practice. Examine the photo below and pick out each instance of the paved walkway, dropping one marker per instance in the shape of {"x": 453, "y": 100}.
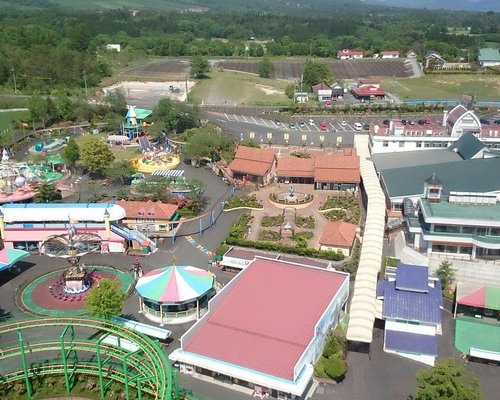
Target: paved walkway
{"x": 310, "y": 209}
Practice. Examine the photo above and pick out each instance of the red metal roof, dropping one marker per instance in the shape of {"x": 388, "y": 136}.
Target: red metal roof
{"x": 267, "y": 319}
{"x": 368, "y": 91}
{"x": 349, "y": 52}
{"x": 153, "y": 210}
{"x": 389, "y": 52}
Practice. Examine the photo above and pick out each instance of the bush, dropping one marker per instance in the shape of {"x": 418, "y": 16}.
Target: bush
{"x": 391, "y": 262}
{"x": 222, "y": 249}
{"x": 335, "y": 368}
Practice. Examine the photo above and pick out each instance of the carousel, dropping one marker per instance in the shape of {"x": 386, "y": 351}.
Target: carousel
{"x": 76, "y": 279}
{"x": 175, "y": 294}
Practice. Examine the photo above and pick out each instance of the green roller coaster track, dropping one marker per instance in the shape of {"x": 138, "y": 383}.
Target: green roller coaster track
{"x": 145, "y": 368}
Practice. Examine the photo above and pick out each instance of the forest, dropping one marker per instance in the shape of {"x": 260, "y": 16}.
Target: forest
{"x": 58, "y": 49}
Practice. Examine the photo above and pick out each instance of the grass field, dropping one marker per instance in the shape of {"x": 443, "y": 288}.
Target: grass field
{"x": 484, "y": 87}
{"x": 162, "y": 5}
{"x": 6, "y": 118}
{"x": 232, "y": 88}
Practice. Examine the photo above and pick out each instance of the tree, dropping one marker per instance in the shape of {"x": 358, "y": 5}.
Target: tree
{"x": 316, "y": 72}
{"x": 446, "y": 274}
{"x": 447, "y": 381}
{"x": 200, "y": 67}
{"x": 121, "y": 170}
{"x": 96, "y": 155}
{"x": 71, "y": 152}
{"x": 38, "y": 109}
{"x": 47, "y": 193}
{"x": 117, "y": 101}
{"x": 206, "y": 143}
{"x": 105, "y": 299}
{"x": 266, "y": 68}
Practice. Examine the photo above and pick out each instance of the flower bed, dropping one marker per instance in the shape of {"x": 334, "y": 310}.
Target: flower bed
{"x": 305, "y": 222}
{"x": 269, "y": 236}
{"x": 242, "y": 201}
{"x": 271, "y": 220}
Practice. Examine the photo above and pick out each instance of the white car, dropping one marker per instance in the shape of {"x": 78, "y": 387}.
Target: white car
{"x": 343, "y": 123}
{"x": 311, "y": 122}
{"x": 357, "y": 126}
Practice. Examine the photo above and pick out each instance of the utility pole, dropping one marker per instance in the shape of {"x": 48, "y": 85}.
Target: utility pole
{"x": 14, "y": 77}
{"x": 301, "y": 84}
{"x": 85, "y": 81}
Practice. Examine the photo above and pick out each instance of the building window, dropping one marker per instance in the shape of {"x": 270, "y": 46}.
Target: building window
{"x": 385, "y": 143}
{"x": 401, "y": 144}
{"x": 419, "y": 144}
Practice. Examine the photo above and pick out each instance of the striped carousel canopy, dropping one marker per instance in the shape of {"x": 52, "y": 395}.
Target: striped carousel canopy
{"x": 169, "y": 173}
{"x": 175, "y": 284}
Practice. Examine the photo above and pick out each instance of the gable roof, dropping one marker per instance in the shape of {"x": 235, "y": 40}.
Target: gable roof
{"x": 341, "y": 168}
{"x": 413, "y": 278}
{"x": 389, "y": 52}
{"x": 349, "y": 52}
{"x": 295, "y": 166}
{"x": 464, "y": 176}
{"x": 338, "y": 234}
{"x": 148, "y": 209}
{"x": 489, "y": 54}
{"x": 282, "y": 304}
{"x": 252, "y": 160}
{"x": 455, "y": 114}
{"x": 467, "y": 146}
{"x": 320, "y": 86}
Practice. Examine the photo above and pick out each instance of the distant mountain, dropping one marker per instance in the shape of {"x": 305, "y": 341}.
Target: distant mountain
{"x": 470, "y": 5}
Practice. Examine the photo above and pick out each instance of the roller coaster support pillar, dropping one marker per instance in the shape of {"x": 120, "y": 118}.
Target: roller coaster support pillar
{"x": 25, "y": 365}
{"x": 64, "y": 356}
{"x": 125, "y": 371}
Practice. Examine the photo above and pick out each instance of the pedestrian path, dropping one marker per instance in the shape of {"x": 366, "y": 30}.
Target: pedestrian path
{"x": 200, "y": 247}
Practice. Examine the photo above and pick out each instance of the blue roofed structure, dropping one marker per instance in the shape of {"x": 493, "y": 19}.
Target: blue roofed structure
{"x": 411, "y": 308}
{"x": 413, "y": 278}
{"x": 411, "y": 343}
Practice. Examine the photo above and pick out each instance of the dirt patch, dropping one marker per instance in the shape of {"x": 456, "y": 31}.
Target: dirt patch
{"x": 147, "y": 94}
{"x": 268, "y": 89}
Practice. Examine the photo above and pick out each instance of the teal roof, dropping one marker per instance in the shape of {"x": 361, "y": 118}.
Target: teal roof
{"x": 140, "y": 113}
{"x": 444, "y": 209}
{"x": 478, "y": 334}
{"x": 467, "y": 146}
{"x": 476, "y": 175}
{"x": 489, "y": 54}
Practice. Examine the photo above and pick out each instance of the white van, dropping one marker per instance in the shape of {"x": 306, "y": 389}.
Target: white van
{"x": 357, "y": 126}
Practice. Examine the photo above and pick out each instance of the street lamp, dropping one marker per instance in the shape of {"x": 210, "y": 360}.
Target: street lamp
{"x": 14, "y": 77}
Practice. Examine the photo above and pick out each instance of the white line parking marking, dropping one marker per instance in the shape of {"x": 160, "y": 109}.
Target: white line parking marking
{"x": 264, "y": 122}
{"x": 236, "y": 118}
{"x": 350, "y": 127}
{"x": 225, "y": 115}
{"x": 255, "y": 121}
{"x": 245, "y": 118}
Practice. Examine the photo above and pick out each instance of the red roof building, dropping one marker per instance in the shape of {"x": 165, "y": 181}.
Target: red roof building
{"x": 267, "y": 327}
{"x": 338, "y": 236}
{"x": 153, "y": 216}
{"x": 389, "y": 53}
{"x": 348, "y": 54}
{"x": 337, "y": 171}
{"x": 254, "y": 164}
{"x": 368, "y": 92}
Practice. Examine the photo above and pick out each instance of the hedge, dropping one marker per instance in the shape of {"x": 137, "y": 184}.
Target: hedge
{"x": 282, "y": 248}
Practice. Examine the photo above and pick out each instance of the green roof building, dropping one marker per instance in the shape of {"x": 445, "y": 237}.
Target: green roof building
{"x": 464, "y": 225}
{"x": 488, "y": 57}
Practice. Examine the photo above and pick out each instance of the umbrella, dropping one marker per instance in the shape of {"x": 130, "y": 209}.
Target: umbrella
{"x": 175, "y": 284}
{"x": 9, "y": 257}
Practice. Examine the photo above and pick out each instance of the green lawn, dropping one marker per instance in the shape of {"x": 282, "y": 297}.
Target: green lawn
{"x": 6, "y": 118}
{"x": 485, "y": 87}
{"x": 233, "y": 88}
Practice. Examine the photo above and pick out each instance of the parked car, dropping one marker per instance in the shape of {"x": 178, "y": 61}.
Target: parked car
{"x": 386, "y": 122}
{"x": 421, "y": 122}
{"x": 403, "y": 121}
{"x": 497, "y": 121}
{"x": 343, "y": 123}
{"x": 366, "y": 127}
{"x": 277, "y": 121}
{"x": 323, "y": 126}
{"x": 357, "y": 126}
{"x": 291, "y": 125}
{"x": 311, "y": 122}
{"x": 412, "y": 123}
{"x": 484, "y": 121}
{"x": 302, "y": 124}
{"x": 427, "y": 121}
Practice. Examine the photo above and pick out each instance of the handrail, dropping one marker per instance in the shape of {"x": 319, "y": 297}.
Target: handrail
{"x": 161, "y": 378}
